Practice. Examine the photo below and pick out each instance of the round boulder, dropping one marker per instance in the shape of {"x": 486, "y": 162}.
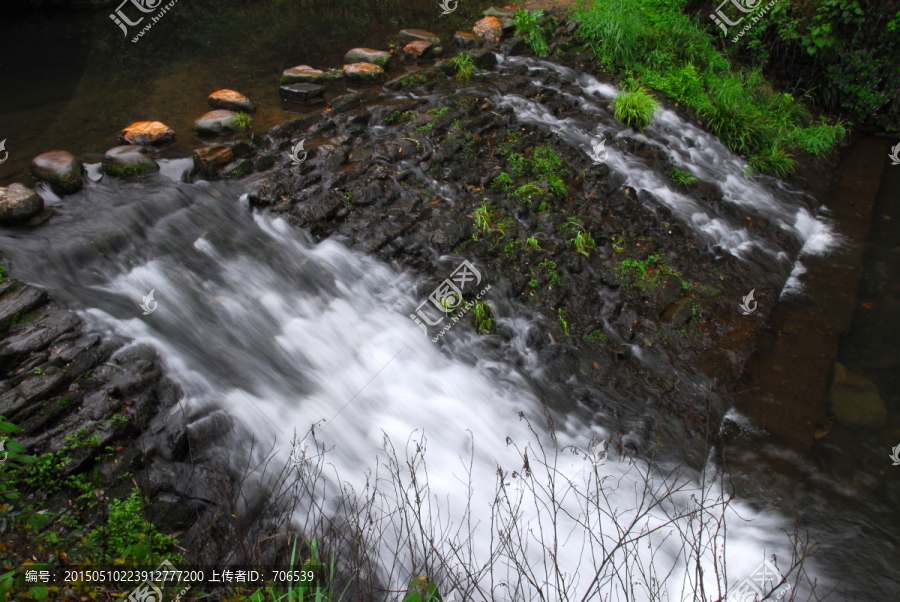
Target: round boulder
{"x": 302, "y": 74}
{"x": 466, "y": 40}
{"x": 230, "y": 101}
{"x": 363, "y": 72}
{"x": 489, "y": 29}
{"x": 216, "y": 123}
{"x": 18, "y": 203}
{"x": 128, "y": 162}
{"x": 59, "y": 169}
{"x": 147, "y": 132}
{"x": 367, "y": 55}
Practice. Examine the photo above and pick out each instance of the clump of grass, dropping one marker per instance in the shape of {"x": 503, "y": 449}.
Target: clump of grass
{"x": 482, "y": 217}
{"x": 425, "y": 127}
{"x": 501, "y": 182}
{"x": 464, "y": 66}
{"x": 562, "y": 321}
{"x": 484, "y": 320}
{"x": 556, "y": 184}
{"x": 635, "y": 106}
{"x": 242, "y": 121}
{"x": 550, "y": 268}
{"x": 438, "y": 111}
{"x": 583, "y": 242}
{"x": 820, "y": 139}
{"x": 533, "y": 243}
{"x": 682, "y": 178}
{"x": 398, "y": 116}
{"x": 595, "y": 336}
{"x": 526, "y": 191}
{"x": 528, "y": 25}
{"x": 773, "y": 159}
{"x": 545, "y": 161}
{"x": 646, "y": 274}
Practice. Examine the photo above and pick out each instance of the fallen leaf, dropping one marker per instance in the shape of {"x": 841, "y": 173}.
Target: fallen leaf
{"x": 867, "y": 305}
{"x": 647, "y": 342}
{"x": 596, "y": 365}
{"x": 434, "y": 201}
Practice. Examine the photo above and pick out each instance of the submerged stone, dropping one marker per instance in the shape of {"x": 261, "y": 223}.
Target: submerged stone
{"x": 367, "y": 55}
{"x": 230, "y": 101}
{"x": 18, "y": 203}
{"x": 128, "y": 162}
{"x": 147, "y": 132}
{"x": 306, "y": 93}
{"x": 59, "y": 169}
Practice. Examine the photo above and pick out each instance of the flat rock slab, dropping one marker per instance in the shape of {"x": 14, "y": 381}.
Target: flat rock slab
{"x": 59, "y": 169}
{"x": 347, "y": 102}
{"x": 230, "y": 101}
{"x": 307, "y": 93}
{"x": 363, "y": 72}
{"x": 147, "y": 132}
{"x": 464, "y": 39}
{"x": 500, "y": 12}
{"x": 210, "y": 160}
{"x": 128, "y": 162}
{"x": 367, "y": 55}
{"x": 411, "y": 35}
{"x": 417, "y": 48}
{"x": 18, "y": 203}
{"x": 216, "y": 123}
{"x": 302, "y": 74}
{"x": 490, "y": 29}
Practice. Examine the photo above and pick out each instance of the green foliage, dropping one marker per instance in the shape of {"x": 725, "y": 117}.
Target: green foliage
{"x": 556, "y": 185}
{"x": 533, "y": 283}
{"x": 550, "y": 269}
{"x": 464, "y": 64}
{"x": 438, "y": 111}
{"x": 635, "y": 106}
{"x": 545, "y": 161}
{"x": 533, "y": 243}
{"x": 595, "y": 336}
{"x": 398, "y": 116}
{"x": 517, "y": 164}
{"x": 562, "y": 321}
{"x": 501, "y": 182}
{"x": 822, "y": 138}
{"x": 421, "y": 589}
{"x": 775, "y": 160}
{"x": 528, "y": 25}
{"x": 682, "y": 178}
{"x": 583, "y": 242}
{"x": 646, "y": 274}
{"x": 425, "y": 127}
{"x": 484, "y": 320}
{"x": 526, "y": 191}
{"x": 242, "y": 121}
{"x": 128, "y": 535}
{"x": 482, "y": 217}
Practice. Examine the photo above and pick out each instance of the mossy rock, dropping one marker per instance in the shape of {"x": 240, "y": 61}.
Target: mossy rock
{"x": 128, "y": 162}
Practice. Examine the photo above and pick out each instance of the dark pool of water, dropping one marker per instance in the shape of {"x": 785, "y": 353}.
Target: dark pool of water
{"x": 72, "y": 80}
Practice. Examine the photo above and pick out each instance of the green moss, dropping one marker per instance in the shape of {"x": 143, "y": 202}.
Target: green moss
{"x": 646, "y": 274}
{"x": 595, "y": 336}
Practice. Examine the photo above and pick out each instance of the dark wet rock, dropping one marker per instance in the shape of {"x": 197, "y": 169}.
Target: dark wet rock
{"x": 264, "y": 162}
{"x": 59, "y": 169}
{"x": 230, "y": 101}
{"x": 411, "y": 35}
{"x": 367, "y": 55}
{"x": 508, "y": 25}
{"x": 240, "y": 149}
{"x": 417, "y": 48}
{"x": 446, "y": 66}
{"x": 302, "y": 74}
{"x": 210, "y": 160}
{"x": 484, "y": 58}
{"x": 147, "y": 132}
{"x": 18, "y": 203}
{"x": 571, "y": 27}
{"x": 20, "y": 300}
{"x": 512, "y": 46}
{"x": 330, "y": 156}
{"x": 433, "y": 52}
{"x": 490, "y": 29}
{"x": 679, "y": 313}
{"x": 363, "y": 72}
{"x": 463, "y": 39}
{"x": 296, "y": 127}
{"x": 36, "y": 337}
{"x": 666, "y": 292}
{"x": 321, "y": 208}
{"x": 303, "y": 93}
{"x": 499, "y": 12}
{"x": 347, "y": 102}
{"x": 236, "y": 169}
{"x": 854, "y": 399}
{"x": 216, "y": 123}
{"x": 415, "y": 78}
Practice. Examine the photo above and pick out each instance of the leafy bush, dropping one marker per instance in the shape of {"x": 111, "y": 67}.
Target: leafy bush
{"x": 682, "y": 178}
{"x": 635, "y": 107}
{"x": 242, "y": 121}
{"x": 528, "y": 24}
{"x": 501, "y": 182}
{"x": 484, "y": 320}
{"x": 464, "y": 64}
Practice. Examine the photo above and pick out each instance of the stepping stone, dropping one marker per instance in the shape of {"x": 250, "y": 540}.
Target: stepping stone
{"x": 490, "y": 29}
{"x": 411, "y": 35}
{"x": 302, "y": 74}
{"x": 483, "y": 58}
{"x": 216, "y": 123}
{"x": 210, "y": 160}
{"x": 417, "y": 48}
{"x": 499, "y": 12}
{"x": 231, "y": 101}
{"x": 514, "y": 45}
{"x": 305, "y": 93}
{"x": 128, "y": 162}
{"x": 18, "y": 203}
{"x": 347, "y": 102}
{"x": 363, "y": 72}
{"x": 59, "y": 169}
{"x": 367, "y": 55}
{"x": 147, "y": 132}
{"x": 463, "y": 39}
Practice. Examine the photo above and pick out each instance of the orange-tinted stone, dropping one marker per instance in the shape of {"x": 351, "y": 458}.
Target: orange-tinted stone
{"x": 490, "y": 29}
{"x": 147, "y": 132}
{"x": 231, "y": 101}
{"x": 417, "y": 48}
{"x": 363, "y": 72}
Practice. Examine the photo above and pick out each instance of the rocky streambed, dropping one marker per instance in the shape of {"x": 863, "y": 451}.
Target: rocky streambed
{"x": 615, "y": 290}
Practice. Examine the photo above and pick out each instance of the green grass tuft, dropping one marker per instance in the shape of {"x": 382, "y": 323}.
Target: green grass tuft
{"x": 635, "y": 107}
